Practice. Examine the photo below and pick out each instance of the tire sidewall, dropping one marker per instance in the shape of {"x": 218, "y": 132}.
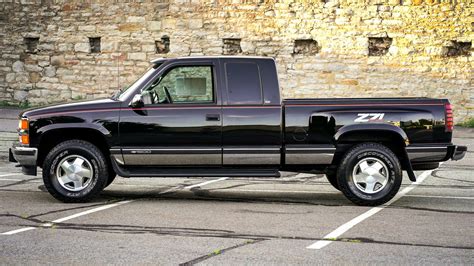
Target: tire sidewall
{"x": 52, "y": 163}
{"x": 345, "y": 177}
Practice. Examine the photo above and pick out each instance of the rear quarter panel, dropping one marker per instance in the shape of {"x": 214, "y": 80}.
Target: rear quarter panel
{"x": 317, "y": 123}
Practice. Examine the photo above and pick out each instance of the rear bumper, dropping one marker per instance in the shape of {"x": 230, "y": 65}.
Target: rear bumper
{"x": 456, "y": 152}
{"x": 435, "y": 153}
{"x": 25, "y": 156}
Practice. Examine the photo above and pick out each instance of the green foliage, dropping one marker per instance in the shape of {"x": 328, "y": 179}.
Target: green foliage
{"x": 469, "y": 122}
{"x": 23, "y": 105}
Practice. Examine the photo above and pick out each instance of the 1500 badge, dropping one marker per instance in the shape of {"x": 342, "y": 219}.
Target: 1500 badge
{"x": 369, "y": 117}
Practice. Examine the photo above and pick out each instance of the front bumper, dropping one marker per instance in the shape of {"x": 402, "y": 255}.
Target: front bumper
{"x": 25, "y": 156}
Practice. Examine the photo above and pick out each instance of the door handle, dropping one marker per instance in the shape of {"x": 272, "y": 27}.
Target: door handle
{"x": 213, "y": 117}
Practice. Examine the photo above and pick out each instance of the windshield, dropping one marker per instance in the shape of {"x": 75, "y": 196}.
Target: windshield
{"x": 125, "y": 93}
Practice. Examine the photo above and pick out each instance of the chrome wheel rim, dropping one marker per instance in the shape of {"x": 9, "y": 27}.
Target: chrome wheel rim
{"x": 370, "y": 175}
{"x": 74, "y": 173}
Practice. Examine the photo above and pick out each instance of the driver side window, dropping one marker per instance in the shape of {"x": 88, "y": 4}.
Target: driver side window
{"x": 183, "y": 84}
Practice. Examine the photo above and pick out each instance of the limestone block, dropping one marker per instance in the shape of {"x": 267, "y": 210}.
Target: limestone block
{"x": 107, "y": 46}
{"x": 33, "y": 68}
{"x": 148, "y": 48}
{"x": 57, "y": 60}
{"x": 195, "y": 23}
{"x": 86, "y": 28}
{"x": 43, "y": 63}
{"x": 49, "y": 71}
{"x": 135, "y": 19}
{"x": 10, "y": 77}
{"x": 154, "y": 25}
{"x": 137, "y": 56}
{"x": 20, "y": 95}
{"x": 35, "y": 77}
{"x": 82, "y": 47}
{"x": 18, "y": 67}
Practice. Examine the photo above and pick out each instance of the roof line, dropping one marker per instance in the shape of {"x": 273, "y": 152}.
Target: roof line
{"x": 163, "y": 59}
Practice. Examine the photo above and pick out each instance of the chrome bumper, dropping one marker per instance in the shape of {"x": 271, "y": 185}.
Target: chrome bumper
{"x": 25, "y": 156}
{"x": 458, "y": 152}
{"x": 435, "y": 153}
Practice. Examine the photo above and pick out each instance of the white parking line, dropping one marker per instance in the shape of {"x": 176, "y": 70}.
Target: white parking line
{"x": 345, "y": 227}
{"x": 18, "y": 231}
{"x": 101, "y": 208}
{"x": 206, "y": 183}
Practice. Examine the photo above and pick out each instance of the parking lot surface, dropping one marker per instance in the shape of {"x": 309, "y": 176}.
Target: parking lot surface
{"x": 295, "y": 219}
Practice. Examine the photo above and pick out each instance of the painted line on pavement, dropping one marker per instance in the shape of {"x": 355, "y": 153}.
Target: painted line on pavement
{"x": 345, "y": 227}
{"x": 206, "y": 183}
{"x": 18, "y": 231}
{"x": 101, "y": 208}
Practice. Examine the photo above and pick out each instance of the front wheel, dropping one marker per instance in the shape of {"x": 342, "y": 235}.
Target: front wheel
{"x": 369, "y": 174}
{"x": 75, "y": 171}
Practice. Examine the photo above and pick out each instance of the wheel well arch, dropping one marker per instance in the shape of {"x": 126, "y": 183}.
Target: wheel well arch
{"x": 389, "y": 138}
{"x": 53, "y": 137}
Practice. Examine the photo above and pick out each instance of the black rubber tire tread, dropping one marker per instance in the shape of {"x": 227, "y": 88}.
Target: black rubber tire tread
{"x": 86, "y": 149}
{"x": 359, "y": 152}
{"x": 332, "y": 178}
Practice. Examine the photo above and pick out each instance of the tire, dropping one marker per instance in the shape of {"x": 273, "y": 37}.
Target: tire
{"x": 75, "y": 171}
{"x": 369, "y": 174}
{"x": 332, "y": 178}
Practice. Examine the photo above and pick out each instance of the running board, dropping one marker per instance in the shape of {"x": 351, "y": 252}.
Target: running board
{"x": 192, "y": 172}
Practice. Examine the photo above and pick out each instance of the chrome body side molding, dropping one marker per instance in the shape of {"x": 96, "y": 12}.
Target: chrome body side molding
{"x": 157, "y": 156}
{"x": 251, "y": 155}
{"x": 309, "y": 154}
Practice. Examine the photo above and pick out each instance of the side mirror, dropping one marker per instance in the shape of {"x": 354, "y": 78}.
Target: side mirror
{"x": 137, "y": 101}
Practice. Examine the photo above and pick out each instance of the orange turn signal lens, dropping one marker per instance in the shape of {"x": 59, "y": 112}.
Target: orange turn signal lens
{"x": 25, "y": 139}
{"x": 24, "y": 124}
{"x": 23, "y": 130}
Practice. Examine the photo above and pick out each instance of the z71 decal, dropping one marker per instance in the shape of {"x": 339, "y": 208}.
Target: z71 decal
{"x": 369, "y": 117}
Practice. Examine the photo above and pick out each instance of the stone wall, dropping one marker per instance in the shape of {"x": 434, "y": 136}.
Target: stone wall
{"x": 54, "y": 51}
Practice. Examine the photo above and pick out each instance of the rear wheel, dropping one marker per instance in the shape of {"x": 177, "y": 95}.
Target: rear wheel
{"x": 369, "y": 174}
{"x": 75, "y": 171}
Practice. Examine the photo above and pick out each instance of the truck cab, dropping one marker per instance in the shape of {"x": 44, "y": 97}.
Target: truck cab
{"x": 211, "y": 112}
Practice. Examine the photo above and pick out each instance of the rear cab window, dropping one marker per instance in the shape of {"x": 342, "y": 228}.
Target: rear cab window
{"x": 244, "y": 86}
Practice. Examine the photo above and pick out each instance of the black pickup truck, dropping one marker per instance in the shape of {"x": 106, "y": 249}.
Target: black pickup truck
{"x": 223, "y": 116}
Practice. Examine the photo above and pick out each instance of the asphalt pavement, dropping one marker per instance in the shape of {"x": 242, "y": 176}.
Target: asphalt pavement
{"x": 295, "y": 219}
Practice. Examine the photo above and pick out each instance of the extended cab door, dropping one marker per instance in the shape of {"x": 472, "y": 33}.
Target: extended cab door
{"x": 252, "y": 117}
{"x": 181, "y": 122}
